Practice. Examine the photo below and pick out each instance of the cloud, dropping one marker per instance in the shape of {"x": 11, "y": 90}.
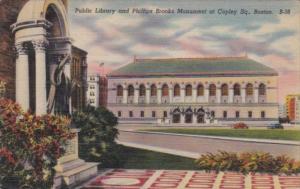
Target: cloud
{"x": 115, "y": 39}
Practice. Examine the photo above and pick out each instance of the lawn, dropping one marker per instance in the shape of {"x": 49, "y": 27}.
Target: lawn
{"x": 145, "y": 159}
{"x": 239, "y": 133}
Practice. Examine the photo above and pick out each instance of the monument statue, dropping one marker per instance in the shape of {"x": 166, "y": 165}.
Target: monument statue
{"x": 61, "y": 88}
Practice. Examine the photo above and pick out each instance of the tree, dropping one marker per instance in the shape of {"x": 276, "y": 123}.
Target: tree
{"x": 97, "y": 136}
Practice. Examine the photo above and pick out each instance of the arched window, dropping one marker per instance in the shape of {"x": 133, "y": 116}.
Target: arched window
{"x": 224, "y": 90}
{"x": 212, "y": 90}
{"x": 142, "y": 90}
{"x": 153, "y": 90}
{"x": 165, "y": 90}
{"x": 236, "y": 90}
{"x": 119, "y": 90}
{"x": 200, "y": 90}
{"x": 262, "y": 89}
{"x": 176, "y": 90}
{"x": 188, "y": 90}
{"x": 130, "y": 90}
{"x": 249, "y": 89}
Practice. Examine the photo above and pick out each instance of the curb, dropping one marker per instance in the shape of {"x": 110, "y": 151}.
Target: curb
{"x": 264, "y": 141}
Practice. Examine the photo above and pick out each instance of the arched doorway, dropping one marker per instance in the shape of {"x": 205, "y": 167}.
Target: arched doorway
{"x": 189, "y": 116}
{"x": 176, "y": 116}
{"x": 200, "y": 115}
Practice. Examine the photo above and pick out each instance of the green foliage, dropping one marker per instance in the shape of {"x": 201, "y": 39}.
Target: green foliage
{"x": 97, "y": 136}
{"x": 248, "y": 162}
{"x": 30, "y": 146}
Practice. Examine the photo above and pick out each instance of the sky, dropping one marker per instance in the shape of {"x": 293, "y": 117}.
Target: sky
{"x": 114, "y": 39}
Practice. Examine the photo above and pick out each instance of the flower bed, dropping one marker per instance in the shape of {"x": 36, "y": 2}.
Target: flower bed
{"x": 248, "y": 162}
{"x": 30, "y": 146}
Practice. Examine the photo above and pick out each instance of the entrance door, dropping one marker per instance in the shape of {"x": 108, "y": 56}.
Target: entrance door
{"x": 188, "y": 118}
{"x": 200, "y": 118}
{"x": 176, "y": 118}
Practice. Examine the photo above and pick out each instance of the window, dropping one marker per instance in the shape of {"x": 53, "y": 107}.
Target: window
{"x": 224, "y": 90}
{"x": 176, "y": 90}
{"x": 142, "y": 113}
{"x": 262, "y": 114}
{"x": 236, "y": 90}
{"x": 153, "y": 114}
{"x": 262, "y": 89}
{"x": 130, "y": 114}
{"x": 153, "y": 91}
{"x": 237, "y": 114}
{"x": 200, "y": 90}
{"x": 92, "y": 86}
{"x": 165, "y": 114}
{"x": 119, "y": 90}
{"x": 142, "y": 90}
{"x": 188, "y": 90}
{"x": 119, "y": 114}
{"x": 92, "y": 78}
{"x": 130, "y": 90}
{"x": 212, "y": 90}
{"x": 212, "y": 113}
{"x": 249, "y": 89}
{"x": 249, "y": 114}
{"x": 92, "y": 94}
{"x": 165, "y": 90}
{"x": 224, "y": 114}
{"x": 92, "y": 101}
{"x": 2, "y": 89}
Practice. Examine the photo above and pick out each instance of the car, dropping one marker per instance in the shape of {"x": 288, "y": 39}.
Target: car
{"x": 275, "y": 126}
{"x": 240, "y": 125}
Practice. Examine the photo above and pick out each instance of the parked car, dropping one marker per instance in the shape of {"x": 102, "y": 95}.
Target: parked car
{"x": 275, "y": 126}
{"x": 240, "y": 126}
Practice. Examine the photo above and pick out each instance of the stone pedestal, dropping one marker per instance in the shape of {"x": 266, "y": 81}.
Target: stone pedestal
{"x": 70, "y": 170}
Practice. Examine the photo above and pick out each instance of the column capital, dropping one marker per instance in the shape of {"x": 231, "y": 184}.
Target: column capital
{"x": 40, "y": 45}
{"x": 21, "y": 48}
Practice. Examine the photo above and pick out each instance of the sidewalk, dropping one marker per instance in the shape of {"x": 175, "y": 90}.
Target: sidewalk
{"x": 181, "y": 179}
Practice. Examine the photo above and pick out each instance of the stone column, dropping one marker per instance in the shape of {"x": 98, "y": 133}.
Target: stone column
{"x": 194, "y": 119}
{"x": 40, "y": 77}
{"x": 255, "y": 95}
{"x": 136, "y": 96}
{"x": 206, "y": 94}
{"x": 170, "y": 95}
{"x": 243, "y": 94}
{"x": 230, "y": 95}
{"x": 218, "y": 95}
{"x": 22, "y": 77}
{"x": 182, "y": 93}
{"x": 147, "y": 95}
{"x": 125, "y": 95}
{"x": 182, "y": 118}
{"x": 194, "y": 94}
{"x": 159, "y": 95}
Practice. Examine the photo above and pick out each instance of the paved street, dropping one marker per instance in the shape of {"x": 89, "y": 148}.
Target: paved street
{"x": 172, "y": 179}
{"x": 203, "y": 145}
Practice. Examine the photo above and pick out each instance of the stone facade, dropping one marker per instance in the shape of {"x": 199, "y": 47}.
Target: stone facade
{"x": 194, "y": 99}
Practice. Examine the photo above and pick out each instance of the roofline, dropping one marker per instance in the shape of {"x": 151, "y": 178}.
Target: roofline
{"x": 192, "y": 75}
{"x": 193, "y": 58}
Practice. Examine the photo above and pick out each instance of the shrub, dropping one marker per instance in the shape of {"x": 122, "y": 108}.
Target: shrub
{"x": 97, "y": 136}
{"x": 240, "y": 126}
{"x": 30, "y": 146}
{"x": 248, "y": 162}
